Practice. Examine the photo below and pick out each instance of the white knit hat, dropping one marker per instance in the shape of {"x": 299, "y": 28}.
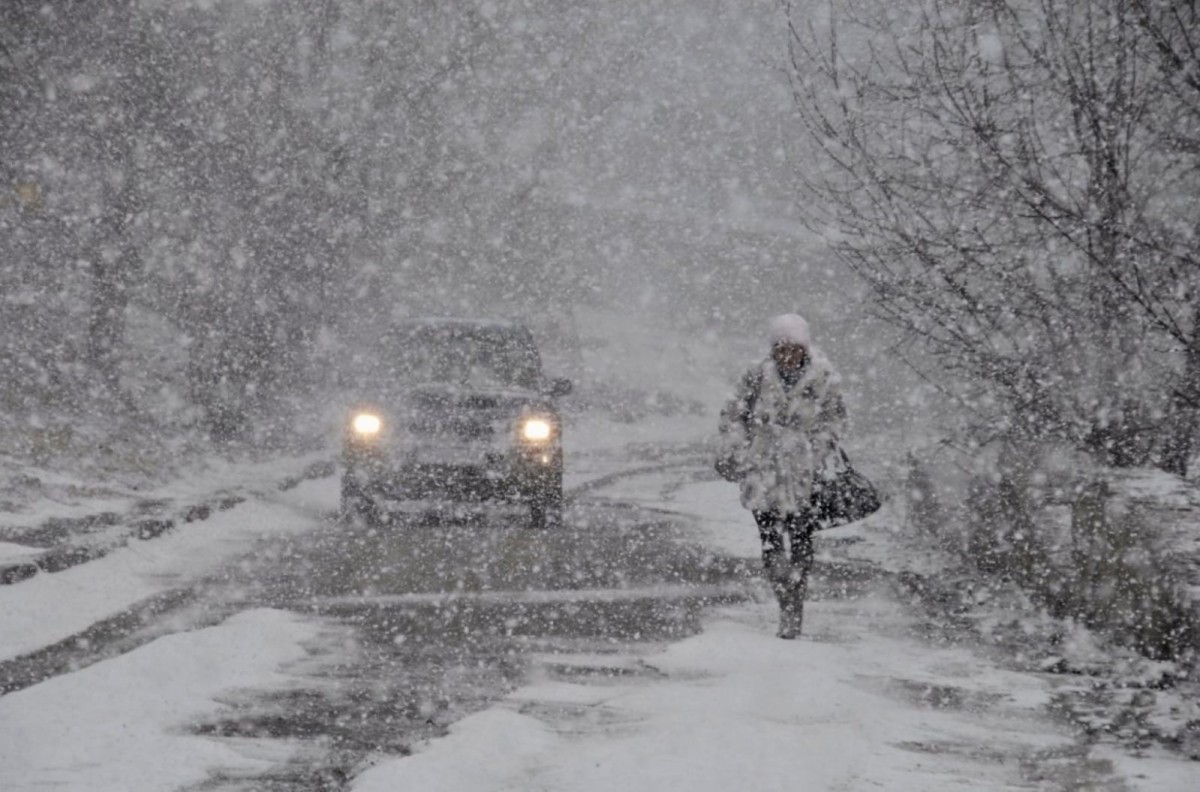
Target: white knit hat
{"x": 790, "y": 329}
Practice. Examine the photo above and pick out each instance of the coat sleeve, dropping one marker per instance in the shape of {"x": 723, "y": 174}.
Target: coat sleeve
{"x": 733, "y": 438}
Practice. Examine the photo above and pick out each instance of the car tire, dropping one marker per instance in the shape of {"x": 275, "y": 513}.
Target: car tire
{"x": 357, "y": 504}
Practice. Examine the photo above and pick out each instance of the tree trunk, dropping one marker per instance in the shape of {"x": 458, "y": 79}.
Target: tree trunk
{"x": 109, "y": 298}
{"x": 106, "y": 321}
{"x": 1182, "y": 423}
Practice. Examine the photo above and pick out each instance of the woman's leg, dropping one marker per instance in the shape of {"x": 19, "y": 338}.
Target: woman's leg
{"x": 771, "y": 536}
{"x": 777, "y": 565}
{"x": 799, "y": 529}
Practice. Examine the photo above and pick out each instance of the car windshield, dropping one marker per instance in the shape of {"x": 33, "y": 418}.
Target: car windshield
{"x": 470, "y": 356}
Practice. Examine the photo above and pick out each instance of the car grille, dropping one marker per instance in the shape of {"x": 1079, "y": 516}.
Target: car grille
{"x": 457, "y": 427}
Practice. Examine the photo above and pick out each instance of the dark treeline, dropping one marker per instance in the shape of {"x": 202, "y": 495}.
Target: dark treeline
{"x": 202, "y": 200}
{"x": 205, "y": 202}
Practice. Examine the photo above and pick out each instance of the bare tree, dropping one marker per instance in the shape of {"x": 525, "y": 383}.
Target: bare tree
{"x": 1000, "y": 174}
{"x": 1171, "y": 29}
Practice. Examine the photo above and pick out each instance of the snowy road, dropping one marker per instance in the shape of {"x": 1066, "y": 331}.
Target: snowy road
{"x": 274, "y": 648}
{"x": 401, "y": 630}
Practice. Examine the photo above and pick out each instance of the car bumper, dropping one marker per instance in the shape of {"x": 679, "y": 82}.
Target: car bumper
{"x": 516, "y": 475}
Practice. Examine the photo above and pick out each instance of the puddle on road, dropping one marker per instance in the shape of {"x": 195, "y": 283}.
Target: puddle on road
{"x": 928, "y": 695}
{"x": 971, "y": 752}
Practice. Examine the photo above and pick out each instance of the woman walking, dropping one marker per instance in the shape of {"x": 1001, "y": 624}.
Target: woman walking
{"x": 775, "y": 436}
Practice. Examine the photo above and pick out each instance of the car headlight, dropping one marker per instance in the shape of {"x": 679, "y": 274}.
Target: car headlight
{"x": 536, "y": 429}
{"x": 366, "y": 424}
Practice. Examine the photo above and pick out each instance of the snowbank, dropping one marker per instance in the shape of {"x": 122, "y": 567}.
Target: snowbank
{"x": 50, "y": 608}
{"x": 121, "y": 725}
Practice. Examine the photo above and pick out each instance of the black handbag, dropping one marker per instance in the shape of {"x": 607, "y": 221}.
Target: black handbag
{"x": 847, "y": 497}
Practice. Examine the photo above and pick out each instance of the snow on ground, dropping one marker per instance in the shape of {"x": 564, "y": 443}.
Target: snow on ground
{"x": 859, "y": 704}
{"x": 713, "y": 514}
{"x": 51, "y": 607}
{"x": 741, "y": 709}
{"x": 1153, "y": 773}
{"x": 11, "y": 551}
{"x": 31, "y": 495}
{"x": 121, "y": 725}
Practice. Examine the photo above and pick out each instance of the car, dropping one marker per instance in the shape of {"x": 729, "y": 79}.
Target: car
{"x": 454, "y": 409}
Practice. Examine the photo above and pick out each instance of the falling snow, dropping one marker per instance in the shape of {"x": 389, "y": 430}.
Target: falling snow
{"x": 366, "y": 373}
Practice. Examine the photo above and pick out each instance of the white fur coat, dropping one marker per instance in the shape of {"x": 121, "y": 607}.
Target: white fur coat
{"x": 780, "y": 439}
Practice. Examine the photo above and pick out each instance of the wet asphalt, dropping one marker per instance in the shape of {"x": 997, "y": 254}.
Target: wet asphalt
{"x": 436, "y": 615}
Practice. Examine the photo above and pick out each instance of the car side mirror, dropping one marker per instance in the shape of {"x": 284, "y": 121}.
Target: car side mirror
{"x": 559, "y": 387}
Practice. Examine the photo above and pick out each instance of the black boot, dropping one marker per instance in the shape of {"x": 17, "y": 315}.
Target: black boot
{"x": 791, "y": 616}
{"x": 791, "y": 593}
{"x": 778, "y": 575}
